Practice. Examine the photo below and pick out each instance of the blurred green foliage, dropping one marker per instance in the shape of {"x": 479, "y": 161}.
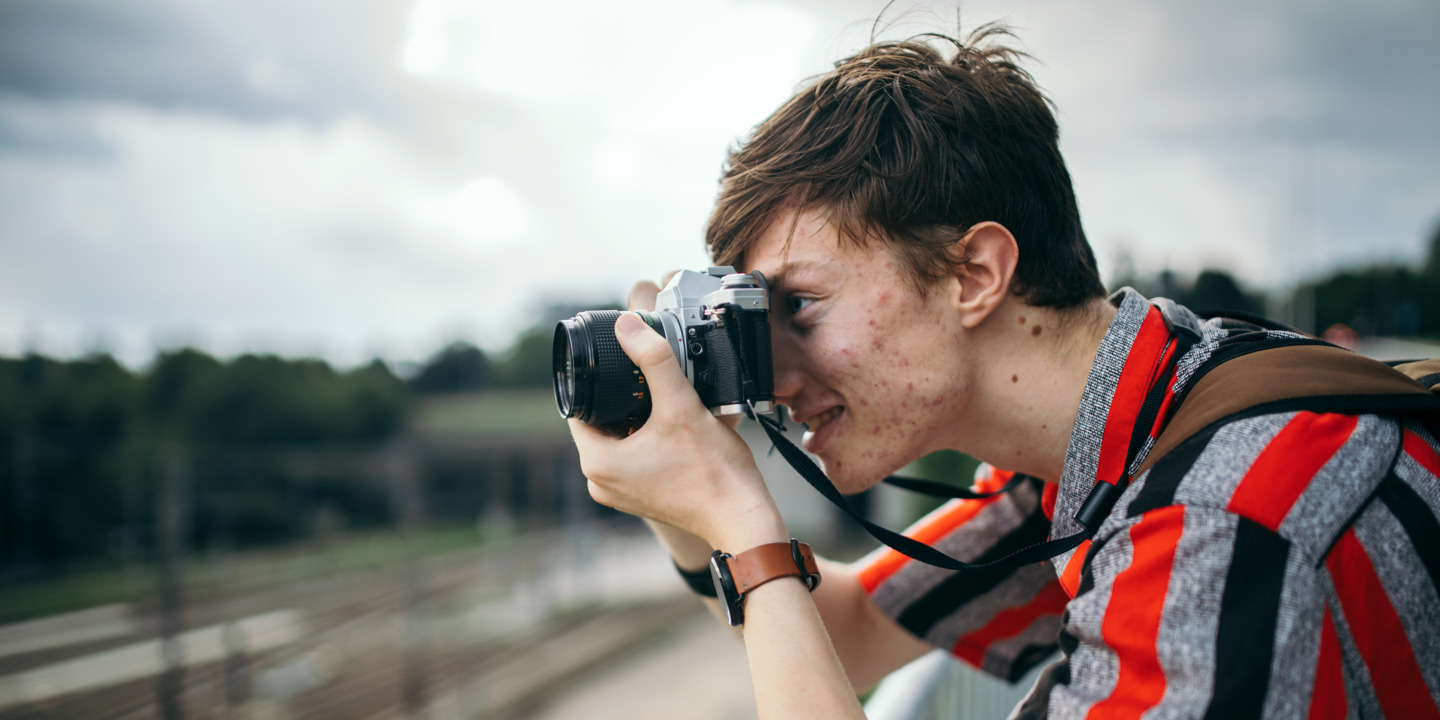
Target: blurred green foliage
{"x": 1392, "y": 300}
{"x": 1389, "y": 300}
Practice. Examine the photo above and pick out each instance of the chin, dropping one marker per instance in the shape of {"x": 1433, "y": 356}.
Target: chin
{"x": 852, "y": 477}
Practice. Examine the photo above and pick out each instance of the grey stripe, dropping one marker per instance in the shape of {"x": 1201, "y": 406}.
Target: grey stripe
{"x": 1095, "y": 666}
{"x": 1020, "y": 588}
{"x": 1119, "y": 516}
{"x": 1001, "y": 656}
{"x": 1297, "y": 640}
{"x": 1359, "y": 690}
{"x": 1217, "y": 472}
{"x": 1417, "y": 477}
{"x": 1082, "y": 456}
{"x": 966, "y": 542}
{"x": 1408, "y": 585}
{"x": 1210, "y": 336}
{"x": 1190, "y": 620}
{"x": 1342, "y": 485}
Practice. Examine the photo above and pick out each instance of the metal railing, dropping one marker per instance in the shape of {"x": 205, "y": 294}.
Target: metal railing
{"x": 938, "y": 687}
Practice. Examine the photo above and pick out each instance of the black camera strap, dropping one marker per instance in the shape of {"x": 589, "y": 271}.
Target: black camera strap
{"x": 909, "y": 546}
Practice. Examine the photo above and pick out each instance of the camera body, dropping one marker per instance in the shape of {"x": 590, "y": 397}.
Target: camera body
{"x": 717, "y": 323}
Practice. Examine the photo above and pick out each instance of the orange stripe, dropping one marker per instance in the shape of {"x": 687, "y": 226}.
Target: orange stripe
{"x": 1416, "y": 447}
{"x": 1134, "y": 382}
{"x": 1287, "y": 465}
{"x": 1070, "y": 578}
{"x": 1378, "y": 634}
{"x": 1010, "y": 622}
{"x": 1047, "y": 500}
{"x": 928, "y": 530}
{"x": 1132, "y": 620}
{"x": 1328, "y": 700}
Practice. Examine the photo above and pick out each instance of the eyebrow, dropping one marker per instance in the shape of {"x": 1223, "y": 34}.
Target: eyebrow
{"x": 778, "y": 281}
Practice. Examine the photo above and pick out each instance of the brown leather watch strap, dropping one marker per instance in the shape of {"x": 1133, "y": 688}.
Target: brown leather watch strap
{"x": 763, "y": 563}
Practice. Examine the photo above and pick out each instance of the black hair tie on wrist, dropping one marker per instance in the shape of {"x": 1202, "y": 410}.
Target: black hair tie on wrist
{"x": 699, "y": 580}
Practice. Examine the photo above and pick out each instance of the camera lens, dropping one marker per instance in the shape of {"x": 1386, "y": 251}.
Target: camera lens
{"x": 595, "y": 380}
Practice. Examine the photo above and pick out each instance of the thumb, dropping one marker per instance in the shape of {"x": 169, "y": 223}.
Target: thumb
{"x": 652, "y": 353}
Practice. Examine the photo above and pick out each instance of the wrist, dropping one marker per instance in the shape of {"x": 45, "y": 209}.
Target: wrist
{"x": 750, "y": 530}
{"x": 744, "y": 518}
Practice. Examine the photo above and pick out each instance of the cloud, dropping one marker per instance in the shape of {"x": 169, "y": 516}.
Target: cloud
{"x": 350, "y": 177}
{"x": 259, "y": 60}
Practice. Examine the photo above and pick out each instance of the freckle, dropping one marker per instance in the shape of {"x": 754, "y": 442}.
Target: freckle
{"x": 1014, "y": 378}
{"x": 1017, "y": 453}
{"x": 1035, "y": 331}
{"x": 1022, "y": 319}
{"x": 1043, "y": 426}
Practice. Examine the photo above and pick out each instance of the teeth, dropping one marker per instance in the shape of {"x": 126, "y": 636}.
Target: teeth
{"x": 815, "y": 422}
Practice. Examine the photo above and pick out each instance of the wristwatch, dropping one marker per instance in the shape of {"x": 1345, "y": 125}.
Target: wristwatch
{"x": 736, "y": 575}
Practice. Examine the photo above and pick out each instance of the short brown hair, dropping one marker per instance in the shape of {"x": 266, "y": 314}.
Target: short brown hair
{"x": 903, "y": 143}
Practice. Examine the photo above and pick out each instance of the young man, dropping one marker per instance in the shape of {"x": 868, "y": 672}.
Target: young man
{"x": 932, "y": 288}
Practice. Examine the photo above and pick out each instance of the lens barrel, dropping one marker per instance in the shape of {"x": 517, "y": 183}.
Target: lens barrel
{"x": 595, "y": 380}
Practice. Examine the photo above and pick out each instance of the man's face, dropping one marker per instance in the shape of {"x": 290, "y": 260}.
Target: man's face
{"x": 866, "y": 362}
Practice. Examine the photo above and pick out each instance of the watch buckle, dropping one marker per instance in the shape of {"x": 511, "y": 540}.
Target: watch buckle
{"x": 811, "y": 582}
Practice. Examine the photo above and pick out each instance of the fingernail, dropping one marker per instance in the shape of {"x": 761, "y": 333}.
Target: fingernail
{"x": 628, "y": 324}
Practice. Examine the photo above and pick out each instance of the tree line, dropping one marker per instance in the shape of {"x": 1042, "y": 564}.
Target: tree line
{"x": 83, "y": 441}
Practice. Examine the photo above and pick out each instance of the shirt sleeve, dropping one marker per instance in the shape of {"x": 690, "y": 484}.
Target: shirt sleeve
{"x": 1179, "y": 609}
{"x": 1002, "y": 621}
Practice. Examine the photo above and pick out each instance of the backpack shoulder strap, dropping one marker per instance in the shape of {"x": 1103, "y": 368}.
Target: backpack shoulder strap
{"x": 1290, "y": 377}
{"x": 1425, "y": 372}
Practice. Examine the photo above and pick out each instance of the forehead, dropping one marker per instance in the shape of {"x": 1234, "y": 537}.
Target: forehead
{"x": 804, "y": 243}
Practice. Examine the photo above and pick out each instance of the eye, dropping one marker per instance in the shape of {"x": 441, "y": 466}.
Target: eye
{"x": 795, "y": 304}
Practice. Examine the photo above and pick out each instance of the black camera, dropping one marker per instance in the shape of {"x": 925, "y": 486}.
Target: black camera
{"x": 718, "y": 325}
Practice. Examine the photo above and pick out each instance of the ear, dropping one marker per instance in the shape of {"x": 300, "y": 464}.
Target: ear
{"x": 990, "y": 255}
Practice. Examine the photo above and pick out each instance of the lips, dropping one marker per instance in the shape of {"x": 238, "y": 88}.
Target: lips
{"x": 820, "y": 427}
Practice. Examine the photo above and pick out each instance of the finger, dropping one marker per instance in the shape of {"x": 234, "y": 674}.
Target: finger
{"x": 642, "y": 296}
{"x": 653, "y": 355}
{"x": 665, "y": 279}
{"x": 587, "y": 437}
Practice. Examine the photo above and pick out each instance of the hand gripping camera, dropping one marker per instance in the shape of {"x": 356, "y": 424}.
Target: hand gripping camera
{"x": 718, "y": 325}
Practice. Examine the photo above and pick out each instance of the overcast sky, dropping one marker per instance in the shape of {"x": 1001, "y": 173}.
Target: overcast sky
{"x": 351, "y": 178}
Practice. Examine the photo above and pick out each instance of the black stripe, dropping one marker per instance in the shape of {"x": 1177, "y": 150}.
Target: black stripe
{"x": 1145, "y": 419}
{"x": 962, "y": 587}
{"x": 1028, "y": 657}
{"x": 1245, "y": 642}
{"x": 1164, "y": 479}
{"x": 1417, "y": 520}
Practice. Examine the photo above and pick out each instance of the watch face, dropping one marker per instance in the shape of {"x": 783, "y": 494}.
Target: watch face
{"x": 725, "y": 588}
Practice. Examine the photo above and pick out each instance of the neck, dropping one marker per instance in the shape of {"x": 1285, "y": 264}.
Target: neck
{"x": 1028, "y": 383}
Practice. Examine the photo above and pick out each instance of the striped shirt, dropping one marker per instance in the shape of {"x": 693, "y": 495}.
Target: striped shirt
{"x": 1280, "y": 566}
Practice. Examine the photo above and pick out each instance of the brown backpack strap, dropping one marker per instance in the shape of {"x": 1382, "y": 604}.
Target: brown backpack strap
{"x": 1425, "y": 372}
{"x": 1319, "y": 378}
